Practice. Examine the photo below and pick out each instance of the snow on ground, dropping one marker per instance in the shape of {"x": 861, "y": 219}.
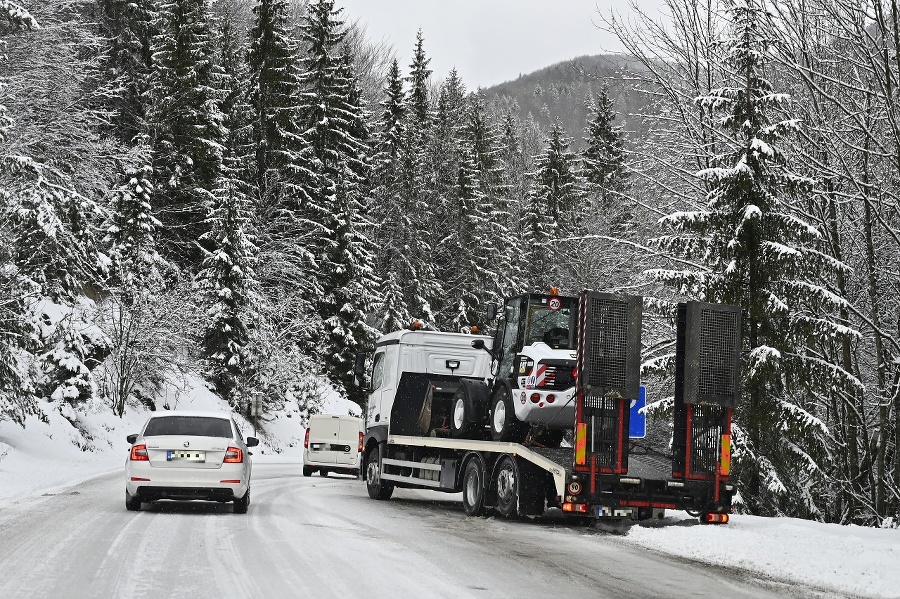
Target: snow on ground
{"x": 845, "y": 559}
{"x": 50, "y": 454}
{"x": 46, "y": 457}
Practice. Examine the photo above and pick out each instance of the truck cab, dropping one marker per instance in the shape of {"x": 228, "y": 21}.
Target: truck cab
{"x": 408, "y": 364}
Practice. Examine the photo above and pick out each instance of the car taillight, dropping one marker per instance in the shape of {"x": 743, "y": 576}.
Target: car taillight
{"x": 233, "y": 455}
{"x": 306, "y": 440}
{"x": 139, "y": 453}
{"x": 360, "y": 442}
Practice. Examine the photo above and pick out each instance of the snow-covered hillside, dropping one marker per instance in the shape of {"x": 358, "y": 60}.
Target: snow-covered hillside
{"x": 56, "y": 451}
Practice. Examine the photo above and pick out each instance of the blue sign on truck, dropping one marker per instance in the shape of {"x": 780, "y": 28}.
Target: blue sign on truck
{"x": 637, "y": 419}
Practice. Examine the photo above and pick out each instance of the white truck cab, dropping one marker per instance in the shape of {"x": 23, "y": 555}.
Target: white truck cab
{"x": 425, "y": 352}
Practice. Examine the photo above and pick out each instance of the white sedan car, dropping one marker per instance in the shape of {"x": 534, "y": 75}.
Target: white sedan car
{"x": 184, "y": 455}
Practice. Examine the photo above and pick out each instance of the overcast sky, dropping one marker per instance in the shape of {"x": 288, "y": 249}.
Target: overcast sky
{"x": 490, "y": 41}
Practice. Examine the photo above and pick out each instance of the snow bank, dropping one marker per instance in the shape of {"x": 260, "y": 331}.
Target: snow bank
{"x": 843, "y": 559}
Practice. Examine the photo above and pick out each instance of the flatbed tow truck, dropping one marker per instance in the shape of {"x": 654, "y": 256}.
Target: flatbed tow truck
{"x": 429, "y": 414}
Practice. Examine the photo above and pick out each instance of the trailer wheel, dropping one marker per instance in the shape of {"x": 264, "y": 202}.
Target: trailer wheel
{"x": 506, "y": 483}
{"x": 504, "y": 424}
{"x": 378, "y": 488}
{"x": 473, "y": 488}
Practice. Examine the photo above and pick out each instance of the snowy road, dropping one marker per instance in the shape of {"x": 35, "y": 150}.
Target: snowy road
{"x": 323, "y": 537}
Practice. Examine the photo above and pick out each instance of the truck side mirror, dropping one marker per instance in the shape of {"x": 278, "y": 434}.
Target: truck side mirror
{"x": 359, "y": 369}
{"x": 479, "y": 344}
{"x": 491, "y": 312}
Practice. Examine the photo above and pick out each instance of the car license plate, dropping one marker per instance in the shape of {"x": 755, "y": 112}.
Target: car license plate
{"x": 187, "y": 456}
{"x": 315, "y": 446}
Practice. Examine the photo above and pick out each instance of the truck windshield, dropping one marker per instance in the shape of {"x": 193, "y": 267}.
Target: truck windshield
{"x": 548, "y": 325}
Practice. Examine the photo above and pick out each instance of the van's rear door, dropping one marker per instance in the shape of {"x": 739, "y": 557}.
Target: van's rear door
{"x": 349, "y": 440}
{"x": 324, "y": 435}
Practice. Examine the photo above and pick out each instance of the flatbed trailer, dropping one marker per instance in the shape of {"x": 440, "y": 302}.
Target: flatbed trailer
{"x": 516, "y": 479}
{"x": 407, "y": 443}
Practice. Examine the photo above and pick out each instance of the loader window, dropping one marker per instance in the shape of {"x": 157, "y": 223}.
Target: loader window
{"x": 549, "y": 326}
{"x": 511, "y": 336}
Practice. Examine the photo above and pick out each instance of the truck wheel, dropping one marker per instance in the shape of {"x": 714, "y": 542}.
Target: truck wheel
{"x": 473, "y": 488}
{"x": 460, "y": 414}
{"x": 378, "y": 489}
{"x": 506, "y": 483}
{"x": 504, "y": 424}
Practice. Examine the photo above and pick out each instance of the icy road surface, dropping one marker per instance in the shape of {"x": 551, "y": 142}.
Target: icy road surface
{"x": 321, "y": 538}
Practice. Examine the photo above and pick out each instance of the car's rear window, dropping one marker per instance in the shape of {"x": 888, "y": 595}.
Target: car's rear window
{"x": 197, "y": 426}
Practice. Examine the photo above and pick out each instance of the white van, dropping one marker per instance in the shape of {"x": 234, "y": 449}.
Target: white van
{"x": 332, "y": 444}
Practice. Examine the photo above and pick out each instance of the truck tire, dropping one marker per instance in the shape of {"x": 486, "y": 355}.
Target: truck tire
{"x": 460, "y": 414}
{"x": 506, "y": 484}
{"x": 473, "y": 488}
{"x": 504, "y": 424}
{"x": 467, "y": 410}
{"x": 378, "y": 488}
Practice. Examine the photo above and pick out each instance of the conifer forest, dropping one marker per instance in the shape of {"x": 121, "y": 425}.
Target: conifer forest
{"x": 253, "y": 189}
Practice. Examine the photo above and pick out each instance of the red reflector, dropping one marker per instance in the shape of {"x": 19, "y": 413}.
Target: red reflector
{"x": 578, "y": 508}
{"x": 306, "y": 440}
{"x": 231, "y": 481}
{"x": 233, "y": 455}
{"x": 717, "y": 518}
{"x": 139, "y": 479}
{"x": 535, "y": 397}
{"x": 139, "y": 453}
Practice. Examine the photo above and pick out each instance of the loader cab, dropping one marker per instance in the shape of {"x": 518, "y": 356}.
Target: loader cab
{"x": 534, "y": 318}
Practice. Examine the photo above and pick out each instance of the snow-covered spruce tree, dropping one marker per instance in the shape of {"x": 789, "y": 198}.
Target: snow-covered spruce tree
{"x": 16, "y": 400}
{"x": 496, "y": 246}
{"x": 184, "y": 124}
{"x": 552, "y": 211}
{"x": 127, "y": 27}
{"x": 754, "y": 252}
{"x": 274, "y": 95}
{"x": 444, "y": 149}
{"x": 394, "y": 230}
{"x": 338, "y": 137}
{"x": 227, "y": 280}
{"x": 419, "y": 198}
{"x": 603, "y": 158}
{"x": 284, "y": 172}
{"x": 130, "y": 234}
{"x": 238, "y": 151}
{"x": 54, "y": 220}
{"x": 135, "y": 281}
